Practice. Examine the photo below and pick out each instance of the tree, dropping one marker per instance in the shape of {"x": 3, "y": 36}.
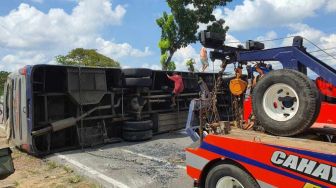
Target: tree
{"x": 167, "y": 64}
{"x": 86, "y": 57}
{"x": 179, "y": 28}
{"x": 3, "y": 78}
{"x": 190, "y": 65}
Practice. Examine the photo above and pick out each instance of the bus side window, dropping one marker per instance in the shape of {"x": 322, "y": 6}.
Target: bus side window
{"x": 12, "y": 110}
{"x": 6, "y": 103}
{"x": 19, "y": 106}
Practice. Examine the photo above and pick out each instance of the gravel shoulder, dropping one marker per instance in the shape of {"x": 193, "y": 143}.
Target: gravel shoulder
{"x": 34, "y": 172}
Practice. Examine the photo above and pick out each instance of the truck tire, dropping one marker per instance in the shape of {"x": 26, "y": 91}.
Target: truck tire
{"x": 286, "y": 102}
{"x": 137, "y": 73}
{"x": 224, "y": 175}
{"x": 137, "y": 82}
{"x": 138, "y": 125}
{"x": 137, "y": 135}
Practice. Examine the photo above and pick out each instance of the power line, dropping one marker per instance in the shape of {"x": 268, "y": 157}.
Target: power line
{"x": 266, "y": 40}
{"x": 324, "y": 55}
{"x": 282, "y": 38}
{"x": 330, "y": 55}
{"x": 326, "y": 58}
{"x": 332, "y": 48}
{"x": 319, "y": 48}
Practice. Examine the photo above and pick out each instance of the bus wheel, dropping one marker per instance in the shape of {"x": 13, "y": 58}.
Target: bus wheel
{"x": 229, "y": 176}
{"x": 135, "y": 136}
{"x": 138, "y": 125}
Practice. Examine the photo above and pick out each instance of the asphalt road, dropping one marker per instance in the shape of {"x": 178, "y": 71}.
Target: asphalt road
{"x": 159, "y": 162}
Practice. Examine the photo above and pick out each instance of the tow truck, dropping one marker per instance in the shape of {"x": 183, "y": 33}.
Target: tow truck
{"x": 297, "y": 145}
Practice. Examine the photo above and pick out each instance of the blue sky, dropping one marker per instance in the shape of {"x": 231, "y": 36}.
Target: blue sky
{"x": 35, "y": 31}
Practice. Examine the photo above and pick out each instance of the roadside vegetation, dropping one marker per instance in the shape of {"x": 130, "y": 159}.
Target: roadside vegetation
{"x": 34, "y": 172}
{"x": 86, "y": 57}
{"x": 3, "y": 78}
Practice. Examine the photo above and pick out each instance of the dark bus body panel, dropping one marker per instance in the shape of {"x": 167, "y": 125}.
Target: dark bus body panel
{"x": 39, "y": 95}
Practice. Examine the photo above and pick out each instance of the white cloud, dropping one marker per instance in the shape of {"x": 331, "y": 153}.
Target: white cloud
{"x": 184, "y": 54}
{"x": 269, "y": 35}
{"x": 306, "y": 31}
{"x": 31, "y": 31}
{"x": 15, "y": 61}
{"x": 27, "y": 26}
{"x": 268, "y": 13}
{"x": 231, "y": 39}
{"x": 125, "y": 66}
{"x": 151, "y": 66}
{"x": 328, "y": 41}
{"x": 331, "y": 6}
{"x": 318, "y": 37}
{"x": 120, "y": 50}
{"x": 190, "y": 7}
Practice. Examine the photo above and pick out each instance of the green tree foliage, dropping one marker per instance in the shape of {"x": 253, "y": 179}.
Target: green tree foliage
{"x": 86, "y": 57}
{"x": 3, "y": 78}
{"x": 190, "y": 65}
{"x": 179, "y": 28}
{"x": 167, "y": 65}
{"x": 171, "y": 66}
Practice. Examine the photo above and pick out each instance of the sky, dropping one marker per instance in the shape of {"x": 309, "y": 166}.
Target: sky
{"x": 35, "y": 31}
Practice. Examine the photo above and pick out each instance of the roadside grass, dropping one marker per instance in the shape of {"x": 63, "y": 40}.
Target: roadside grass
{"x": 16, "y": 183}
{"x": 31, "y": 171}
{"x": 75, "y": 179}
{"x": 52, "y": 165}
{"x": 67, "y": 169}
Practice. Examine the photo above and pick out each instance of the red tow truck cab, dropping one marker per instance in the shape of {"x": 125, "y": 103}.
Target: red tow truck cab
{"x": 268, "y": 161}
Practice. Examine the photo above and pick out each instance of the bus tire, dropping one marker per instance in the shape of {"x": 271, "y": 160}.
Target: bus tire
{"x": 137, "y": 73}
{"x": 134, "y": 136}
{"x": 227, "y": 173}
{"x": 137, "y": 82}
{"x": 138, "y": 125}
{"x": 286, "y": 102}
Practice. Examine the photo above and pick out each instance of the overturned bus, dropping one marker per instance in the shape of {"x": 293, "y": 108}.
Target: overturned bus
{"x": 48, "y": 108}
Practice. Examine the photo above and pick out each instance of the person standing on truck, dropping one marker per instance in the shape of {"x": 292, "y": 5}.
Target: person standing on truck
{"x": 204, "y": 59}
{"x": 178, "y": 86}
{"x": 262, "y": 71}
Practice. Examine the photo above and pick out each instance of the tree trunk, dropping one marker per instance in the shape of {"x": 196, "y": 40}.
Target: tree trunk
{"x": 165, "y": 66}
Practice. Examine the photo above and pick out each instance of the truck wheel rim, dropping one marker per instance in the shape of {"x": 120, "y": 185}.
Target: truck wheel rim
{"x": 228, "y": 182}
{"x": 281, "y": 102}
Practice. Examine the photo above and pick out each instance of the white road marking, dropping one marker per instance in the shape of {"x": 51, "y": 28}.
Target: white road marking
{"x": 153, "y": 158}
{"x": 110, "y": 180}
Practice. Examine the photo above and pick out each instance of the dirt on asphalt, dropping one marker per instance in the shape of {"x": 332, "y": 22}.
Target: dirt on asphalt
{"x": 34, "y": 172}
{"x": 156, "y": 163}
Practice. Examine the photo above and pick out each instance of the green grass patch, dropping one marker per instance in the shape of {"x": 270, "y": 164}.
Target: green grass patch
{"x": 52, "y": 165}
{"x": 75, "y": 179}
